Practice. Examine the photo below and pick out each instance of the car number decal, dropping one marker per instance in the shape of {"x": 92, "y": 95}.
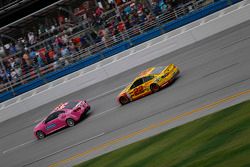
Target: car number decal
{"x": 138, "y": 90}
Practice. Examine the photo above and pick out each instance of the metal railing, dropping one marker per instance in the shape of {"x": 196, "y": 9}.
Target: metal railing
{"x": 126, "y": 35}
{"x": 11, "y": 4}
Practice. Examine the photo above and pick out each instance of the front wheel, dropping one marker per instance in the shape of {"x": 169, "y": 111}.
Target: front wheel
{"x": 40, "y": 135}
{"x": 154, "y": 87}
{"x": 70, "y": 122}
{"x": 123, "y": 100}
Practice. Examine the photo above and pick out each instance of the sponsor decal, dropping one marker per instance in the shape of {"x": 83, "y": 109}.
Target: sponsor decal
{"x": 50, "y": 126}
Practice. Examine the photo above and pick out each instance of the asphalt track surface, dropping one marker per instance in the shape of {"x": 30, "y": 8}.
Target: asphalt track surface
{"x": 212, "y": 69}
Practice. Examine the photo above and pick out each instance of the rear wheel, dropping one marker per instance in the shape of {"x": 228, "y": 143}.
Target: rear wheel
{"x": 123, "y": 100}
{"x": 154, "y": 87}
{"x": 70, "y": 122}
{"x": 40, "y": 135}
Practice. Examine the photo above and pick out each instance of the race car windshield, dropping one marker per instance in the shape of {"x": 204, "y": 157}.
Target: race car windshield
{"x": 71, "y": 104}
{"x": 158, "y": 70}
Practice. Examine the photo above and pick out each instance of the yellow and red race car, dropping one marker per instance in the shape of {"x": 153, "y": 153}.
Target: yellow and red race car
{"x": 149, "y": 81}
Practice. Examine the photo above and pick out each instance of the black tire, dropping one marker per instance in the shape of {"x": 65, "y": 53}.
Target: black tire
{"x": 70, "y": 122}
{"x": 154, "y": 87}
{"x": 40, "y": 135}
{"x": 123, "y": 100}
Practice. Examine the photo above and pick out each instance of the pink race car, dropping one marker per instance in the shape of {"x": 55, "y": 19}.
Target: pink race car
{"x": 65, "y": 114}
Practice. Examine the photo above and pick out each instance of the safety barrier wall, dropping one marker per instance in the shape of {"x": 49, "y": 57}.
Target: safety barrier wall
{"x": 195, "y": 15}
{"x": 126, "y": 60}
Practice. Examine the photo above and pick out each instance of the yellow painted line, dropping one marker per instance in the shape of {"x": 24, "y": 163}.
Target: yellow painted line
{"x": 150, "y": 127}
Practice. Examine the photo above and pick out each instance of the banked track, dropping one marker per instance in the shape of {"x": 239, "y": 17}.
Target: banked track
{"x": 210, "y": 70}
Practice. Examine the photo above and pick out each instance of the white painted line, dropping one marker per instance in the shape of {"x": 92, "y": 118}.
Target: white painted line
{"x": 18, "y": 146}
{"x": 38, "y": 120}
{"x": 68, "y": 147}
{"x": 76, "y": 144}
{"x": 105, "y": 112}
{"x": 108, "y": 92}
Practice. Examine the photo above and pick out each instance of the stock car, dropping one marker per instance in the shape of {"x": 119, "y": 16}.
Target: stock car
{"x": 149, "y": 81}
{"x": 64, "y": 115}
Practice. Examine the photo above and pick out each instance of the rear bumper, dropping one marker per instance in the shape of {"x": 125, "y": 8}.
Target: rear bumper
{"x": 87, "y": 108}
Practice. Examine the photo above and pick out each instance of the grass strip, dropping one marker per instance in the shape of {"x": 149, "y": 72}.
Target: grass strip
{"x": 221, "y": 139}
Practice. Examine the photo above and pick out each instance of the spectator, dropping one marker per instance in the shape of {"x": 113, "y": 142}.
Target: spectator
{"x": 17, "y": 60}
{"x": 47, "y": 57}
{"x": 65, "y": 39}
{"x": 40, "y": 61}
{"x": 31, "y": 38}
{"x": 2, "y": 75}
{"x": 99, "y": 11}
{"x": 59, "y": 41}
{"x": 14, "y": 75}
{"x": 72, "y": 48}
{"x": 83, "y": 41}
{"x": 121, "y": 26}
{"x": 127, "y": 10}
{"x": 65, "y": 56}
{"x": 65, "y": 52}
{"x": 26, "y": 59}
{"x": 24, "y": 67}
{"x": 51, "y": 54}
{"x": 18, "y": 70}
{"x": 163, "y": 6}
{"x": 32, "y": 54}
{"x": 12, "y": 49}
{"x": 11, "y": 62}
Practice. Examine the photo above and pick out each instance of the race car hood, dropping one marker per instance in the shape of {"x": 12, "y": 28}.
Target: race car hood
{"x": 125, "y": 90}
{"x": 39, "y": 125}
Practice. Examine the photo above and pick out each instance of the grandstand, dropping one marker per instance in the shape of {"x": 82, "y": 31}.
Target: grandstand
{"x": 65, "y": 32}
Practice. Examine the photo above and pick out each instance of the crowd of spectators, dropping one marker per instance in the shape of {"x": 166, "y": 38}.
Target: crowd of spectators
{"x": 105, "y": 21}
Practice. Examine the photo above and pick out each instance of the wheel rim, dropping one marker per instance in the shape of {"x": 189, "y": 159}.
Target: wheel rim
{"x": 155, "y": 88}
{"x": 70, "y": 122}
{"x": 40, "y": 135}
{"x": 123, "y": 100}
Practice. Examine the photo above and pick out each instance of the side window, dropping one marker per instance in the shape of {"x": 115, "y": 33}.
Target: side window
{"x": 148, "y": 78}
{"x": 60, "y": 112}
{"x": 50, "y": 117}
{"x": 137, "y": 83}
{"x": 53, "y": 116}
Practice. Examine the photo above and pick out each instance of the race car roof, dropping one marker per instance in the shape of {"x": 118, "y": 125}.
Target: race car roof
{"x": 152, "y": 70}
{"x": 146, "y": 72}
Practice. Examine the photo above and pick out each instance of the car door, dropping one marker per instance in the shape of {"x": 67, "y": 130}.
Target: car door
{"x": 52, "y": 122}
{"x": 136, "y": 90}
{"x": 147, "y": 81}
